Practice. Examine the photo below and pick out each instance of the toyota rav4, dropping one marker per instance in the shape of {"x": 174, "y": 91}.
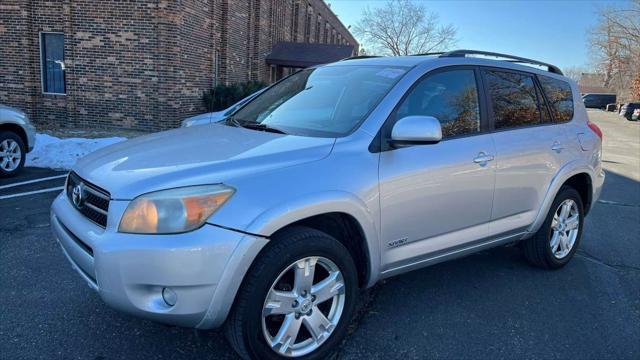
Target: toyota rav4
{"x": 270, "y": 221}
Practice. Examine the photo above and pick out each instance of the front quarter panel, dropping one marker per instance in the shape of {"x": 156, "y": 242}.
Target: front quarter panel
{"x": 346, "y": 181}
{"x": 16, "y": 117}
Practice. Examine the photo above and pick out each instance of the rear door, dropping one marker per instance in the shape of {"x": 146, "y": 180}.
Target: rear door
{"x": 530, "y": 148}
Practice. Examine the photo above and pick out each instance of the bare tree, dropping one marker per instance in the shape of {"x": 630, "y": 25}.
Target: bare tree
{"x": 615, "y": 43}
{"x": 635, "y": 88}
{"x": 403, "y": 27}
{"x": 574, "y": 72}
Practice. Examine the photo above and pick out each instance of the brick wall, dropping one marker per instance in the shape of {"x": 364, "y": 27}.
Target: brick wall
{"x": 144, "y": 64}
{"x": 17, "y": 78}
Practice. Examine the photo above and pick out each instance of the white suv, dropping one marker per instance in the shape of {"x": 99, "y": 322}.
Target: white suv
{"x": 270, "y": 221}
{"x": 17, "y": 138}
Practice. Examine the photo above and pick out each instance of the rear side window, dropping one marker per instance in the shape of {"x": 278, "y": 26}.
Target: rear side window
{"x": 560, "y": 98}
{"x": 514, "y": 99}
{"x": 451, "y": 97}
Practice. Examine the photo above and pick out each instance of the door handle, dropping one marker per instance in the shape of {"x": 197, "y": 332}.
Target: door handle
{"x": 557, "y": 147}
{"x": 482, "y": 158}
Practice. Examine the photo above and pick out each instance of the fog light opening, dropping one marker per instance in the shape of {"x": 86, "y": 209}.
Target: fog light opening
{"x": 169, "y": 296}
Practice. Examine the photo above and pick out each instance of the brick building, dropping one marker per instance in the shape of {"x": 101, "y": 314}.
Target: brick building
{"x": 144, "y": 64}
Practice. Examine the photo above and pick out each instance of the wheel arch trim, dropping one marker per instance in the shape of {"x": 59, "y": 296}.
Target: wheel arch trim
{"x": 17, "y": 129}
{"x": 276, "y": 218}
{"x": 565, "y": 173}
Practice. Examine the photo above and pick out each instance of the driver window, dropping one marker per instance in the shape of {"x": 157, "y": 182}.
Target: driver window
{"x": 451, "y": 97}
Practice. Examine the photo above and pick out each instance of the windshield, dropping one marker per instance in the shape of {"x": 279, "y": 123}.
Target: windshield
{"x": 239, "y": 104}
{"x": 323, "y": 102}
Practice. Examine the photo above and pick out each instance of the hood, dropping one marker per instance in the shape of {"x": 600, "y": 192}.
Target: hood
{"x": 197, "y": 120}
{"x": 194, "y": 156}
{"x": 11, "y": 110}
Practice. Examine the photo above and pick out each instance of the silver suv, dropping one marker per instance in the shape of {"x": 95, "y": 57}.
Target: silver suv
{"x": 270, "y": 221}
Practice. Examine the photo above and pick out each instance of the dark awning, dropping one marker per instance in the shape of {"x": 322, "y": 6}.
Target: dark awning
{"x": 302, "y": 55}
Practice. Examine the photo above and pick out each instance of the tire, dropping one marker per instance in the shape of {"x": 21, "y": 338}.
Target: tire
{"x": 8, "y": 138}
{"x": 247, "y": 330}
{"x": 538, "y": 249}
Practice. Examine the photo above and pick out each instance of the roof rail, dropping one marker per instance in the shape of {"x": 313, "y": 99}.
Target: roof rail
{"x": 360, "y": 57}
{"x": 516, "y": 59}
{"x": 429, "y": 53}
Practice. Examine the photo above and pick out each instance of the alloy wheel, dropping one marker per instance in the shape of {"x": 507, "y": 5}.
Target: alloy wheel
{"x": 10, "y": 155}
{"x": 303, "y": 306}
{"x": 564, "y": 227}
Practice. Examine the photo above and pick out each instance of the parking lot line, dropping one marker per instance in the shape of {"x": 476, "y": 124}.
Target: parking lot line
{"x": 31, "y": 192}
{"x": 32, "y": 181}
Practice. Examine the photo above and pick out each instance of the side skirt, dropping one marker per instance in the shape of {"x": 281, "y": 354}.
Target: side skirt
{"x": 457, "y": 252}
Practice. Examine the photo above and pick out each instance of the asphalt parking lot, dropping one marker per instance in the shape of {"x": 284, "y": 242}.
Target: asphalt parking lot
{"x": 486, "y": 306}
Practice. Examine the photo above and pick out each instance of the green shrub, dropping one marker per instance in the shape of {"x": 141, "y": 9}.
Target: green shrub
{"x": 223, "y": 96}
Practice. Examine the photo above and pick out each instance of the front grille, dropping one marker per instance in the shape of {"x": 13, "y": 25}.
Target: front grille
{"x": 90, "y": 200}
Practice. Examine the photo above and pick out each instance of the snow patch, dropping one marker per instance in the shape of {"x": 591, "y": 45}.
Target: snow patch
{"x": 55, "y": 153}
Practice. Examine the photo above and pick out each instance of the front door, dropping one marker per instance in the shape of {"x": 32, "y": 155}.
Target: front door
{"x": 436, "y": 197}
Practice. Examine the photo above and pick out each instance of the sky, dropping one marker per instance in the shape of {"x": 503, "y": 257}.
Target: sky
{"x": 551, "y": 31}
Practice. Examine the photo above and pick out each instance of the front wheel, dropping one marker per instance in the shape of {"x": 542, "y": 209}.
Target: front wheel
{"x": 12, "y": 153}
{"x": 557, "y": 240}
{"x": 296, "y": 300}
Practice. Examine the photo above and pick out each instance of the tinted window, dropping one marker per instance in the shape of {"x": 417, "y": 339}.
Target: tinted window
{"x": 451, "y": 97}
{"x": 546, "y": 116}
{"x": 52, "y": 53}
{"x": 325, "y": 102}
{"x": 560, "y": 98}
{"x": 514, "y": 100}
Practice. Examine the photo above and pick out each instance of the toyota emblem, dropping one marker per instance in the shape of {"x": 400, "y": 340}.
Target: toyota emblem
{"x": 76, "y": 195}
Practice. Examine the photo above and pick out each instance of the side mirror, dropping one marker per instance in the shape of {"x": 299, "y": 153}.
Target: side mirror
{"x": 416, "y": 130}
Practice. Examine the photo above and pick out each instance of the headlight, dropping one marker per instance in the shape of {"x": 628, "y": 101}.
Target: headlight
{"x": 173, "y": 211}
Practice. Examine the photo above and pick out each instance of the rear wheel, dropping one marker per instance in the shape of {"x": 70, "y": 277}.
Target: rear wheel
{"x": 296, "y": 300}
{"x": 556, "y": 242}
{"x": 12, "y": 153}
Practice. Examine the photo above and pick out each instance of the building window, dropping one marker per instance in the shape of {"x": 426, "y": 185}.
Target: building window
{"x": 307, "y": 28}
{"x": 294, "y": 26}
{"x": 52, "y": 63}
{"x": 318, "y": 25}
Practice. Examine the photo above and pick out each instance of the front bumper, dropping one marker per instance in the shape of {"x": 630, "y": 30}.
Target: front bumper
{"x": 129, "y": 271}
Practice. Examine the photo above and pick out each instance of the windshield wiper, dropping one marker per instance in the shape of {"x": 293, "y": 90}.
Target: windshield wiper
{"x": 263, "y": 127}
{"x": 253, "y": 125}
{"x": 233, "y": 121}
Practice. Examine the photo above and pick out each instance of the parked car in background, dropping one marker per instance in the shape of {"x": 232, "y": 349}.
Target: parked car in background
{"x": 612, "y": 107}
{"x": 627, "y": 110}
{"x": 636, "y": 114}
{"x": 598, "y": 101}
{"x": 17, "y": 138}
{"x": 334, "y": 178}
{"x": 211, "y": 117}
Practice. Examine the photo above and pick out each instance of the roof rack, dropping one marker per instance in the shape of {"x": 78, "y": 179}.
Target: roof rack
{"x": 515, "y": 59}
